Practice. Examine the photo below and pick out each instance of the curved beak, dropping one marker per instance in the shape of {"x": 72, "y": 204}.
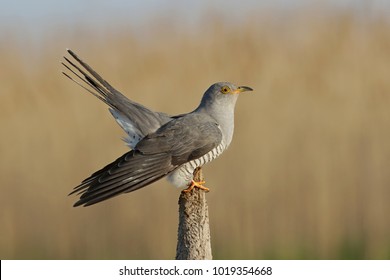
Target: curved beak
{"x": 242, "y": 89}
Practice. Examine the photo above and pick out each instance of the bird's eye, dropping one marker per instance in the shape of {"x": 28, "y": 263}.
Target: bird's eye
{"x": 225, "y": 89}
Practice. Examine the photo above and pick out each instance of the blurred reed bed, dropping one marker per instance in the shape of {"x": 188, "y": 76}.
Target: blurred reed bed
{"x": 307, "y": 175}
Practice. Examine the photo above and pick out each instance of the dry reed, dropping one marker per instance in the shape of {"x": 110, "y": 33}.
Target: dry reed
{"x": 307, "y": 175}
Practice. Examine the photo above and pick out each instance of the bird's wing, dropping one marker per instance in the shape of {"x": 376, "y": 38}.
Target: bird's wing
{"x": 159, "y": 153}
{"x": 187, "y": 137}
{"x": 134, "y": 118}
{"x": 128, "y": 173}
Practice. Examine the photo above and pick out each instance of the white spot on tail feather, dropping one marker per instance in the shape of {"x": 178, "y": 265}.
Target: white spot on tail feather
{"x": 132, "y": 135}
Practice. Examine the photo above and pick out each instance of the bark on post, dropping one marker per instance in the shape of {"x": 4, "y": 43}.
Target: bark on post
{"x": 193, "y": 239}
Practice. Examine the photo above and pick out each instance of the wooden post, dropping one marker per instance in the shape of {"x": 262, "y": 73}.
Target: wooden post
{"x": 193, "y": 238}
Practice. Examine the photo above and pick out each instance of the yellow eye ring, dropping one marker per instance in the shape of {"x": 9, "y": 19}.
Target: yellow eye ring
{"x": 225, "y": 89}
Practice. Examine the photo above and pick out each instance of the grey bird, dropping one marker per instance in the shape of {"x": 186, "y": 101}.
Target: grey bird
{"x": 162, "y": 145}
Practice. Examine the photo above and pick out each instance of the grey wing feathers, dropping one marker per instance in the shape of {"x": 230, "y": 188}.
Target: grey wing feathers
{"x": 128, "y": 173}
{"x": 187, "y": 138}
{"x": 155, "y": 156}
{"x": 140, "y": 118}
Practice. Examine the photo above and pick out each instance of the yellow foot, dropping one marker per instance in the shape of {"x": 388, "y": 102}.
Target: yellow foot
{"x": 196, "y": 185}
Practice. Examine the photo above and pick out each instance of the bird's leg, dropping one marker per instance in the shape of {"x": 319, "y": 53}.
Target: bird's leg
{"x": 195, "y": 184}
{"x": 197, "y": 181}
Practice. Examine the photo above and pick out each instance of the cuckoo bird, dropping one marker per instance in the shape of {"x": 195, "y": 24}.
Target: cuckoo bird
{"x": 161, "y": 145}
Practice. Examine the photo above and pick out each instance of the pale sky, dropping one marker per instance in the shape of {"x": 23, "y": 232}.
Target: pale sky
{"x": 41, "y": 15}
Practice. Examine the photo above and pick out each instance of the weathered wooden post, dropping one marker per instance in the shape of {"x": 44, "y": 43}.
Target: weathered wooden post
{"x": 193, "y": 238}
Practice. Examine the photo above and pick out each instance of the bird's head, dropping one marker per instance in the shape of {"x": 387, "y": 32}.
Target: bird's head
{"x": 222, "y": 94}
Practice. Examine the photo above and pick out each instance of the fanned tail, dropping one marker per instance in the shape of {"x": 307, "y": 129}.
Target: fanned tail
{"x": 133, "y": 117}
